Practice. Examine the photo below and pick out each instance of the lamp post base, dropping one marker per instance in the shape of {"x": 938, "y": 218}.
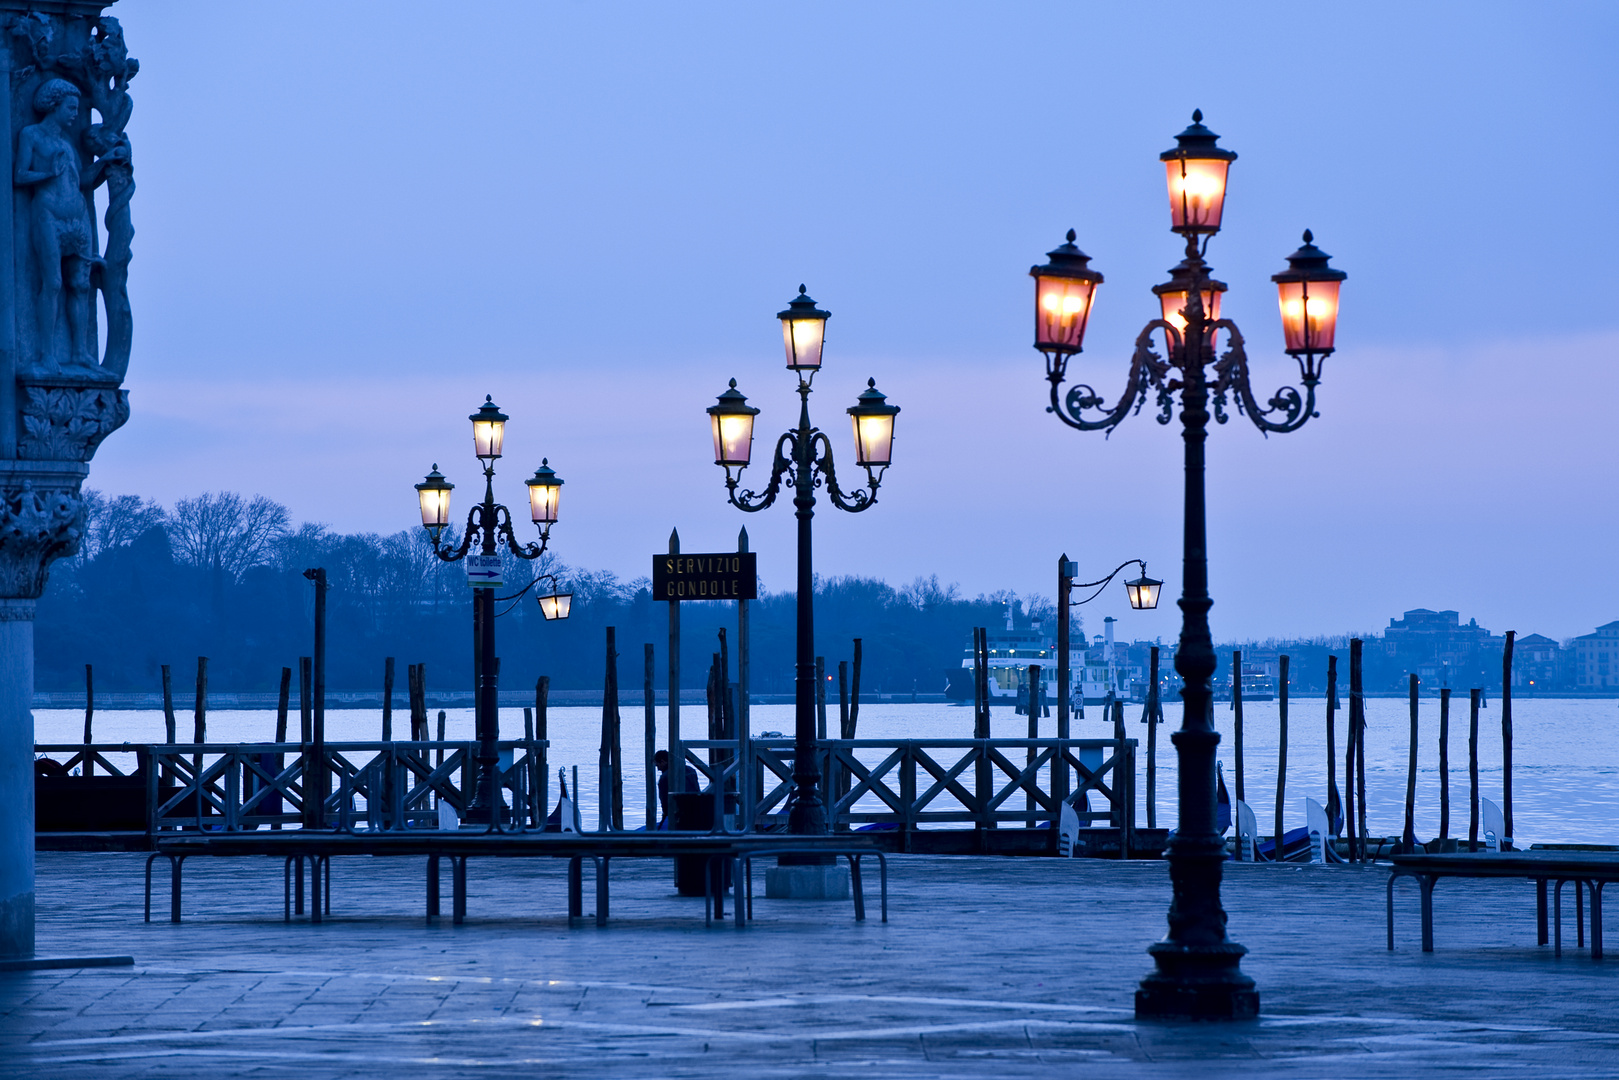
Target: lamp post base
{"x": 1197, "y": 982}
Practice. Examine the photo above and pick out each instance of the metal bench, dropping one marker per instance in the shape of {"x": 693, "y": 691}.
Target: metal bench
{"x": 1587, "y": 870}
{"x": 316, "y": 849}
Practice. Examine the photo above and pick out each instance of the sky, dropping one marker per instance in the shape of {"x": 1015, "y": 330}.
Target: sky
{"x": 356, "y": 220}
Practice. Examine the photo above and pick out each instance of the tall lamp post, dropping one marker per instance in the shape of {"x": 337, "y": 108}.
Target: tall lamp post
{"x": 488, "y": 524}
{"x": 1198, "y": 968}
{"x": 804, "y": 461}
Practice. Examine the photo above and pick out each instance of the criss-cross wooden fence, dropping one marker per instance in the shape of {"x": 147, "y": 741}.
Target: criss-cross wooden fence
{"x": 914, "y": 783}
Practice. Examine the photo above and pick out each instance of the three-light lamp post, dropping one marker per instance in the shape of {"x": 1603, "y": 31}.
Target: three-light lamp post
{"x": 489, "y": 525}
{"x": 1198, "y": 972}
{"x": 803, "y": 461}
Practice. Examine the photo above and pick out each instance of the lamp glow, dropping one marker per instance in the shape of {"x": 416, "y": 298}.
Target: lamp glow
{"x": 556, "y": 605}
{"x": 803, "y": 332}
{"x": 434, "y": 495}
{"x": 732, "y": 422}
{"x": 1196, "y": 171}
{"x": 873, "y": 420}
{"x": 544, "y": 492}
{"x": 488, "y": 430}
{"x": 1143, "y": 591}
{"x": 1307, "y": 292}
{"x": 1063, "y": 290}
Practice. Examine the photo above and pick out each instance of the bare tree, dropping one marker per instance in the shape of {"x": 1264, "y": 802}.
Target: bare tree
{"x": 226, "y": 532}
{"x": 115, "y": 521}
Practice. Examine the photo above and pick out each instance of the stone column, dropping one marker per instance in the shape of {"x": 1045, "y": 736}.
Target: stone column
{"x": 66, "y": 231}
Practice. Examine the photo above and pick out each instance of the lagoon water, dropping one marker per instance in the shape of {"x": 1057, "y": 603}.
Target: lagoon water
{"x": 1565, "y": 753}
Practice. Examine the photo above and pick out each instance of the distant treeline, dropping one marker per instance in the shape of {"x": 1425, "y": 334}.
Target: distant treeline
{"x": 221, "y": 575}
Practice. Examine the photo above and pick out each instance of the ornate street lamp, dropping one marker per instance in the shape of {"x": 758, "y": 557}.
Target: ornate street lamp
{"x": 490, "y": 524}
{"x": 803, "y": 459}
{"x": 554, "y": 604}
{"x": 1198, "y": 968}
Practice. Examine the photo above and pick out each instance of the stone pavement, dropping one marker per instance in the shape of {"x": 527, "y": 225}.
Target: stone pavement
{"x": 989, "y": 967}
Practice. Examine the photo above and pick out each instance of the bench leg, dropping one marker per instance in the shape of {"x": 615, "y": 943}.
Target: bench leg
{"x": 576, "y": 888}
{"x": 882, "y": 874}
{"x": 314, "y": 889}
{"x": 1579, "y": 914}
{"x": 458, "y": 885}
{"x": 736, "y": 893}
{"x": 1392, "y": 879}
{"x": 1557, "y": 918}
{"x": 601, "y": 890}
{"x": 1596, "y": 920}
{"x": 1540, "y": 911}
{"x": 710, "y": 901}
{"x": 149, "y": 859}
{"x": 432, "y": 887}
{"x": 298, "y": 884}
{"x": 859, "y": 893}
{"x": 286, "y": 888}
{"x": 175, "y": 862}
{"x": 747, "y": 874}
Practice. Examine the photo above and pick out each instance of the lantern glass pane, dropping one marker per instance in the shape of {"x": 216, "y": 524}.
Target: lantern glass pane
{"x": 733, "y": 438}
{"x": 556, "y": 606}
{"x": 487, "y": 437}
{"x": 803, "y": 338}
{"x": 1196, "y": 192}
{"x": 1062, "y": 306}
{"x": 542, "y": 502}
{"x": 873, "y": 439}
{"x": 1309, "y": 314}
{"x": 1173, "y": 302}
{"x": 435, "y": 507}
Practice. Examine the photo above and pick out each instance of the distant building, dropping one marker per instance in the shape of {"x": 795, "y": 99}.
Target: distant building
{"x": 1441, "y": 651}
{"x": 1537, "y": 663}
{"x": 1596, "y": 659}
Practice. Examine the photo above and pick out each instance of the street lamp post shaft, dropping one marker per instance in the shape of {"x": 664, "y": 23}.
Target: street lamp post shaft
{"x": 807, "y": 815}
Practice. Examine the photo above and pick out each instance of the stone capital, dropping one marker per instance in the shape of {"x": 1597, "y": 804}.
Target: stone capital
{"x": 41, "y": 519}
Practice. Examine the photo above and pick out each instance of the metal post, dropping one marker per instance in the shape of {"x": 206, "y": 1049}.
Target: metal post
{"x": 807, "y": 815}
{"x": 677, "y": 753}
{"x": 1198, "y": 972}
{"x": 316, "y": 783}
{"x": 488, "y": 805}
{"x": 1153, "y": 709}
{"x": 1059, "y": 761}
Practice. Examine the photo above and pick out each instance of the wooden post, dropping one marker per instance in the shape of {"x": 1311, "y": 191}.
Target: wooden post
{"x": 1059, "y": 762}
{"x": 854, "y": 693}
{"x": 322, "y": 775}
{"x": 89, "y": 716}
{"x": 1123, "y": 781}
{"x": 744, "y": 713}
{"x": 534, "y": 817}
{"x": 388, "y": 699}
{"x": 1444, "y": 764}
{"x": 1281, "y": 754}
{"x": 306, "y": 706}
{"x": 1034, "y": 733}
{"x": 1506, "y": 741}
{"x": 677, "y": 753}
{"x": 609, "y": 791}
{"x": 649, "y": 708}
{"x": 1335, "y": 806}
{"x": 820, "y": 698}
{"x": 1236, "y": 719}
{"x": 283, "y": 699}
{"x": 1408, "y": 839}
{"x": 199, "y": 724}
{"x": 542, "y": 735}
{"x": 981, "y": 771}
{"x": 168, "y": 706}
{"x": 1352, "y": 824}
{"x": 843, "y": 696}
{"x": 1472, "y": 770}
{"x": 1360, "y": 778}
{"x": 1152, "y": 743}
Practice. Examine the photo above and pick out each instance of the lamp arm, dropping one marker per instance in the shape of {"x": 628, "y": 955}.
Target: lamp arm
{"x": 467, "y": 534}
{"x": 531, "y": 551}
{"x": 1231, "y": 375}
{"x": 1103, "y": 584}
{"x": 857, "y": 501}
{"x": 753, "y": 502}
{"x": 1146, "y": 369}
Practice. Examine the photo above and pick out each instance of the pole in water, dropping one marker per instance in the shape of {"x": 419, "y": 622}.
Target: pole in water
{"x": 1506, "y": 742}
{"x": 1279, "y": 852}
{"x": 1472, "y": 769}
{"x": 1335, "y": 806}
{"x": 1408, "y": 839}
{"x": 1236, "y": 718}
{"x": 89, "y": 716}
{"x": 1444, "y": 765}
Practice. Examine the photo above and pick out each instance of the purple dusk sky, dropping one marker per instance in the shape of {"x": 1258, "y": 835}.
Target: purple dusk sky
{"x": 355, "y": 220}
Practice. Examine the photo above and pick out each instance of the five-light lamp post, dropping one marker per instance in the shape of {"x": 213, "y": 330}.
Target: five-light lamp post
{"x": 803, "y": 460}
{"x": 1198, "y": 971}
{"x": 489, "y": 524}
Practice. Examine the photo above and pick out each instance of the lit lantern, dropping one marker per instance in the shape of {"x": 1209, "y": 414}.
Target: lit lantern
{"x": 1143, "y": 591}
{"x": 488, "y": 430}
{"x": 544, "y": 490}
{"x": 732, "y": 421}
{"x": 556, "y": 605}
{"x": 1196, "y": 170}
{"x": 803, "y": 331}
{"x": 1063, "y": 289}
{"x": 1308, "y": 293}
{"x": 434, "y": 495}
{"x": 1172, "y": 296}
{"x": 873, "y": 427}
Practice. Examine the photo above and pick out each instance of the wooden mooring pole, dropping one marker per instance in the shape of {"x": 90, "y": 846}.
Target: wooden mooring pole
{"x": 1506, "y": 742}
{"x": 649, "y": 709}
{"x": 1236, "y": 718}
{"x": 1408, "y": 839}
{"x": 283, "y": 700}
{"x": 1335, "y": 807}
{"x": 1352, "y": 829}
{"x": 1472, "y": 769}
{"x": 1034, "y": 733}
{"x": 1152, "y": 743}
{"x": 89, "y": 717}
{"x": 388, "y": 699}
{"x": 1281, "y": 758}
{"x": 1444, "y": 765}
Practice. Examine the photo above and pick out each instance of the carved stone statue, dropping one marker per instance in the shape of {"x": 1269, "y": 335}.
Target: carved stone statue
{"x": 47, "y": 165}
{"x": 64, "y": 87}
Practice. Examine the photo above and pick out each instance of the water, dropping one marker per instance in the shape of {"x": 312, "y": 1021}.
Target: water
{"x": 1565, "y": 753}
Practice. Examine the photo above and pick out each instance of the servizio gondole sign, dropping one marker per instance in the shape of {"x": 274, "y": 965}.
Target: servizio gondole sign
{"x": 724, "y": 575}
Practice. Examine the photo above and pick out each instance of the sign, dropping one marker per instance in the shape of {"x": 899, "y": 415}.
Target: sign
{"x": 725, "y": 575}
{"x": 485, "y": 571}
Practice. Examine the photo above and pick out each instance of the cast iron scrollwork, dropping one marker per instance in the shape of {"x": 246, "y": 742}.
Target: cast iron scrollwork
{"x": 1147, "y": 369}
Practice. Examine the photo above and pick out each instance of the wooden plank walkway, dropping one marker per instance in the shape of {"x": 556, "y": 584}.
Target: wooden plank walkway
{"x": 1003, "y": 967}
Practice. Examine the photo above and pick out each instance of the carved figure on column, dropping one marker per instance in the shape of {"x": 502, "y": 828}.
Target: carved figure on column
{"x": 59, "y": 230}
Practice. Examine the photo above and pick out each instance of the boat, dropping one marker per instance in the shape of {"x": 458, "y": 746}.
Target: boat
{"x": 1100, "y": 671}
